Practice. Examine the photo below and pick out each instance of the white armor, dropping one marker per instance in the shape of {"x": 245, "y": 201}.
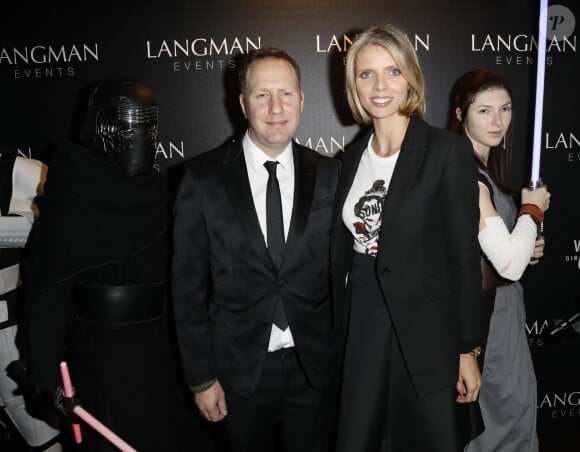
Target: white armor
{"x": 28, "y": 177}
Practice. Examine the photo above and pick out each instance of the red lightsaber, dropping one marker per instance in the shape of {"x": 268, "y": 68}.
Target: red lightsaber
{"x": 88, "y": 418}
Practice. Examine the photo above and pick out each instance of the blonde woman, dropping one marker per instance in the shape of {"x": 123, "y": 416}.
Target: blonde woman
{"x": 405, "y": 262}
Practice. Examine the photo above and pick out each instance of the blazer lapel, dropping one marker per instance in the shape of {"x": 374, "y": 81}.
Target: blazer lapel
{"x": 235, "y": 179}
{"x": 408, "y": 164}
{"x": 304, "y": 179}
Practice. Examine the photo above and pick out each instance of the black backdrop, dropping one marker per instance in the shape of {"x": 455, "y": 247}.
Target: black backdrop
{"x": 187, "y": 51}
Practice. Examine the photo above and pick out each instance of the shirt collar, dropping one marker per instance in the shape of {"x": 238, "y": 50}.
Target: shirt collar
{"x": 256, "y": 158}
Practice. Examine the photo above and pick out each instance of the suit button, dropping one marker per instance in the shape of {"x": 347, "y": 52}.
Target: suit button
{"x": 385, "y": 271}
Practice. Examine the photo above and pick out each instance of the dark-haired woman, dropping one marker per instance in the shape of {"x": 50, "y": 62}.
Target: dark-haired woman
{"x": 509, "y": 243}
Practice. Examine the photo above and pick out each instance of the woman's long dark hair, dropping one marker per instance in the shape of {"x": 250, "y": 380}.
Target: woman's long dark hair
{"x": 463, "y": 94}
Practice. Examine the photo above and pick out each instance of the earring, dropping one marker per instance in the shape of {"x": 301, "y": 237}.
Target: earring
{"x": 503, "y": 144}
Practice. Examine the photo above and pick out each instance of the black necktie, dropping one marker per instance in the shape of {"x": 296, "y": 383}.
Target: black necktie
{"x": 275, "y": 233}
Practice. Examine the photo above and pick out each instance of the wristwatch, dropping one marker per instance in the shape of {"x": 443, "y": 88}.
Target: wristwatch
{"x": 476, "y": 351}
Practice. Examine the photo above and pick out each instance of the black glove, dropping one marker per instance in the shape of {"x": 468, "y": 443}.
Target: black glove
{"x": 18, "y": 372}
{"x": 64, "y": 406}
{"x": 53, "y": 398}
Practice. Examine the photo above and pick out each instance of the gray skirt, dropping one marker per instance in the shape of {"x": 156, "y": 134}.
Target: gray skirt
{"x": 508, "y": 396}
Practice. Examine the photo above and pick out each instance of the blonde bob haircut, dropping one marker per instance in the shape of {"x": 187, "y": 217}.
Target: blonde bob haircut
{"x": 396, "y": 42}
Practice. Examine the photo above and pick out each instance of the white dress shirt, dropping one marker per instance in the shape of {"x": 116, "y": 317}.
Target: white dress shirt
{"x": 258, "y": 177}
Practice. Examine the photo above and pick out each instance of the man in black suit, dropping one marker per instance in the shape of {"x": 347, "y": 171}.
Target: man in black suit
{"x": 251, "y": 272}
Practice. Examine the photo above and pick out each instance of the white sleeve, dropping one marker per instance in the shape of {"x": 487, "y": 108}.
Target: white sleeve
{"x": 14, "y": 231}
{"x": 509, "y": 253}
{"x": 27, "y": 179}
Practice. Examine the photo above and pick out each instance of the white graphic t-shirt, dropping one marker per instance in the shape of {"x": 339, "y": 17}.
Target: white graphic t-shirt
{"x": 364, "y": 203}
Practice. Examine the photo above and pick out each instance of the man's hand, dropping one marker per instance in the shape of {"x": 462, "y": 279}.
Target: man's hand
{"x": 212, "y": 403}
{"x": 469, "y": 381}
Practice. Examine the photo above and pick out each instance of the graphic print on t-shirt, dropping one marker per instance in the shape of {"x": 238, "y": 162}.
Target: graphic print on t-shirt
{"x": 368, "y": 208}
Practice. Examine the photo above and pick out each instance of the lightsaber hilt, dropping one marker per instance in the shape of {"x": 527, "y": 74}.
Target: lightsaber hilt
{"x": 534, "y": 185}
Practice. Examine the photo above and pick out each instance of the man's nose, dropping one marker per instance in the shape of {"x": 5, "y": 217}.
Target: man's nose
{"x": 275, "y": 105}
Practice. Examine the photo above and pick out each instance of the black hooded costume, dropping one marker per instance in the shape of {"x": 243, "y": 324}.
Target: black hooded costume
{"x": 97, "y": 267}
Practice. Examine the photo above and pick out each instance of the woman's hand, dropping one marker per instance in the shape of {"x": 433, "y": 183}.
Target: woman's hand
{"x": 539, "y": 196}
{"x": 469, "y": 381}
{"x": 538, "y": 250}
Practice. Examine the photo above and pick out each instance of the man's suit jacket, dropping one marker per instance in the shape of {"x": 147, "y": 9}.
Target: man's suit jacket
{"x": 224, "y": 283}
{"x": 428, "y": 259}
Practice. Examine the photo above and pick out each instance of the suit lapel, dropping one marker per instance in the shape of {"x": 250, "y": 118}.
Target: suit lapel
{"x": 235, "y": 179}
{"x": 408, "y": 164}
{"x": 304, "y": 178}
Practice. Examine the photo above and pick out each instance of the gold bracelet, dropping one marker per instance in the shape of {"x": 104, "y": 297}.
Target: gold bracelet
{"x": 202, "y": 387}
{"x": 475, "y": 352}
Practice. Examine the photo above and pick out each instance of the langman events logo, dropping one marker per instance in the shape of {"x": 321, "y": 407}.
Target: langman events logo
{"x": 566, "y": 144}
{"x": 201, "y": 53}
{"x": 522, "y": 48}
{"x": 536, "y": 332}
{"x": 168, "y": 150}
{"x": 560, "y": 404}
{"x": 323, "y": 145}
{"x": 341, "y": 43}
{"x": 24, "y": 152}
{"x": 47, "y": 60}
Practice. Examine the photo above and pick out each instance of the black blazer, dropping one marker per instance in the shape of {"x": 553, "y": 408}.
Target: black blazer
{"x": 428, "y": 260}
{"x": 224, "y": 282}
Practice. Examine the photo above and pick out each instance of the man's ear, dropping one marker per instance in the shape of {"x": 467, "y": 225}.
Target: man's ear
{"x": 243, "y": 105}
{"x": 458, "y": 114}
